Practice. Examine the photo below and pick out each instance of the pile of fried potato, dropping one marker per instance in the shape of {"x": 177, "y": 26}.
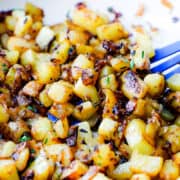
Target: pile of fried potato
{"x": 77, "y": 101}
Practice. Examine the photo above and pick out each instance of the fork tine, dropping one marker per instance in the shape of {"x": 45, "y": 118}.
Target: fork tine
{"x": 172, "y": 71}
{"x": 167, "y": 64}
{"x": 166, "y": 51}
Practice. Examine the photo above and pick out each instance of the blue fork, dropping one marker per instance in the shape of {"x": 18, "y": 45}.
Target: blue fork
{"x": 167, "y": 60}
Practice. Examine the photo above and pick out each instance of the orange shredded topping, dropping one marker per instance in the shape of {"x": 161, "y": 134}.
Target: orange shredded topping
{"x": 167, "y": 4}
{"x": 140, "y": 11}
{"x": 138, "y": 28}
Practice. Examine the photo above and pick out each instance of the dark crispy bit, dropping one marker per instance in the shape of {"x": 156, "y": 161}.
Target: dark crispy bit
{"x": 88, "y": 77}
{"x": 72, "y": 138}
{"x": 80, "y": 5}
{"x": 29, "y": 175}
{"x": 3, "y": 14}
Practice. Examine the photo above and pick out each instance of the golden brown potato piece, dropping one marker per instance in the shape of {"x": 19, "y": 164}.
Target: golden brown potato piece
{"x": 88, "y": 19}
{"x": 113, "y": 31}
{"x": 133, "y": 86}
{"x": 32, "y": 88}
{"x": 8, "y": 170}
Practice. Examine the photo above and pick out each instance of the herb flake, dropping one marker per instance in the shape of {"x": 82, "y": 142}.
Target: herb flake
{"x": 32, "y": 108}
{"x": 45, "y": 141}
{"x": 25, "y": 138}
{"x": 142, "y": 54}
{"x": 4, "y": 68}
{"x": 132, "y": 64}
{"x": 107, "y": 79}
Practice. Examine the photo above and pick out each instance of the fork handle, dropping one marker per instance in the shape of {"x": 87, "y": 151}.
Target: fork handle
{"x": 166, "y": 51}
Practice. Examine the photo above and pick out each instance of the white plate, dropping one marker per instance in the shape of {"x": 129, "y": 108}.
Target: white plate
{"x": 155, "y": 14}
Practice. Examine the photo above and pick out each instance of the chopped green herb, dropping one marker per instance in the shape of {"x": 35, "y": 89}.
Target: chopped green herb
{"x": 132, "y": 64}
{"x": 4, "y": 68}
{"x": 45, "y": 141}
{"x": 108, "y": 80}
{"x": 142, "y": 54}
{"x": 167, "y": 115}
{"x": 32, "y": 108}
{"x": 25, "y": 138}
{"x": 32, "y": 151}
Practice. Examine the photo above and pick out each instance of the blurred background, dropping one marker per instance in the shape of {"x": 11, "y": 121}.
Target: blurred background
{"x": 159, "y": 17}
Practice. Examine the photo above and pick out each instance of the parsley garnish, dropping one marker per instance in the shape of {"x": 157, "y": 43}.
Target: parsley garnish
{"x": 25, "y": 138}
{"x": 142, "y": 54}
{"x": 108, "y": 80}
{"x": 132, "y": 64}
{"x": 32, "y": 151}
{"x": 4, "y": 68}
{"x": 32, "y": 108}
{"x": 45, "y": 141}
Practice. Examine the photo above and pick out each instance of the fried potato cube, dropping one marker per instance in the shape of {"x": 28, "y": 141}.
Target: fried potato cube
{"x": 75, "y": 171}
{"x": 80, "y": 63}
{"x": 84, "y": 134}
{"x": 100, "y": 176}
{"x": 32, "y": 88}
{"x": 4, "y": 116}
{"x": 62, "y": 128}
{"x": 84, "y": 110}
{"x": 109, "y": 82}
{"x": 59, "y": 153}
{"x": 140, "y": 177}
{"x": 88, "y": 19}
{"x": 8, "y": 170}
{"x": 61, "y": 53}
{"x": 29, "y": 57}
{"x": 40, "y": 127}
{"x": 119, "y": 63}
{"x": 22, "y": 158}
{"x": 174, "y": 82}
{"x": 155, "y": 84}
{"x": 44, "y": 98}
{"x": 41, "y": 167}
{"x": 7, "y": 149}
{"x": 77, "y": 37}
{"x": 176, "y": 158}
{"x": 170, "y": 170}
{"x": 10, "y": 22}
{"x": 17, "y": 129}
{"x": 46, "y": 71}
{"x": 135, "y": 133}
{"x": 113, "y": 31}
{"x": 122, "y": 171}
{"x": 20, "y": 44}
{"x": 144, "y": 42}
{"x": 150, "y": 165}
{"x": 44, "y": 37}
{"x": 23, "y": 25}
{"x": 60, "y": 91}
{"x": 88, "y": 92}
{"x": 172, "y": 135}
{"x": 133, "y": 86}
{"x": 104, "y": 156}
{"x": 34, "y": 11}
{"x": 107, "y": 128}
